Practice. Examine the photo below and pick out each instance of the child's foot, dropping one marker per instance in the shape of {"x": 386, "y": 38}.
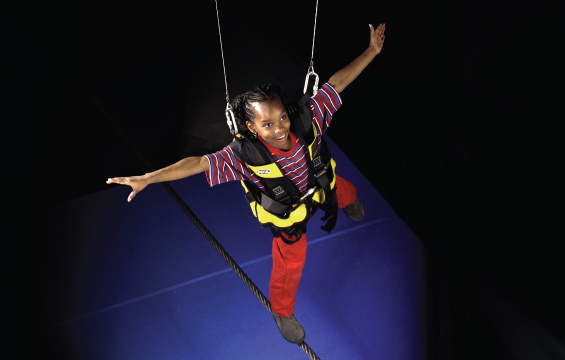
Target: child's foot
{"x": 290, "y": 328}
{"x": 355, "y": 211}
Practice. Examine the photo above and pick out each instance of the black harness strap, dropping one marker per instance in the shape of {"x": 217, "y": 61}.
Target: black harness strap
{"x": 320, "y": 173}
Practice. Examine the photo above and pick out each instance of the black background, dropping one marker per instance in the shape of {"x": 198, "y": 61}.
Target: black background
{"x": 456, "y": 123}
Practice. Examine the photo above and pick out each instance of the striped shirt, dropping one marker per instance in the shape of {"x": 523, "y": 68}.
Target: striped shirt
{"x": 226, "y": 166}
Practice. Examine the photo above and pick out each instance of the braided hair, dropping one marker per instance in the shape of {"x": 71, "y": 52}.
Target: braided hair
{"x": 241, "y": 104}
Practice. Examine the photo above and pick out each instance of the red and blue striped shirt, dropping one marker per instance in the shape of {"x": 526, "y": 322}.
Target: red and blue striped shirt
{"x": 226, "y": 166}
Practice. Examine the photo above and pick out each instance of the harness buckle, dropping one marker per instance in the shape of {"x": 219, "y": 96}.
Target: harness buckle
{"x": 304, "y": 198}
{"x": 316, "y": 79}
{"x": 321, "y": 172}
{"x": 309, "y": 193}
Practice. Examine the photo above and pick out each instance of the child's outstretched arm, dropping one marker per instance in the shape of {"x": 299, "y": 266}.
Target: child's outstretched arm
{"x": 345, "y": 76}
{"x": 184, "y": 168}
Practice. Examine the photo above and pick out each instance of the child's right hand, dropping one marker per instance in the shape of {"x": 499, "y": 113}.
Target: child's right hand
{"x": 137, "y": 184}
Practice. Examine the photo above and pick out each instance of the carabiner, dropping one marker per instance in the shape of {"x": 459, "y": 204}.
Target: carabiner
{"x": 231, "y": 120}
{"x": 315, "y": 87}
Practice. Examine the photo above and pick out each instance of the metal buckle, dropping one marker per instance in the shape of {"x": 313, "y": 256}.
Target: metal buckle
{"x": 307, "y": 195}
{"x": 321, "y": 172}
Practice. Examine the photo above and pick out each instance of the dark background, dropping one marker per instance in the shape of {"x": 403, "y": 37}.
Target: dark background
{"x": 455, "y": 123}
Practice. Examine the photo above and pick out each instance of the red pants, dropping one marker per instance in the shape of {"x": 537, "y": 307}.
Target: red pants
{"x": 288, "y": 260}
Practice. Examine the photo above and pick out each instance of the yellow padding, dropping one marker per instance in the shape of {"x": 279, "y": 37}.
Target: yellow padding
{"x": 266, "y": 218}
{"x": 315, "y": 139}
{"x": 266, "y": 171}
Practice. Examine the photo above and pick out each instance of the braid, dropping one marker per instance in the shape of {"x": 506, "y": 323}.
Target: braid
{"x": 241, "y": 104}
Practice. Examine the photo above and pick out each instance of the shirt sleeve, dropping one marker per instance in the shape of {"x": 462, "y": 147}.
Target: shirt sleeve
{"x": 324, "y": 104}
{"x": 226, "y": 166}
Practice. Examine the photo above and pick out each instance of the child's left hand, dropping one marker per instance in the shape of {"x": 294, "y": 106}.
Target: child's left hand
{"x": 377, "y": 37}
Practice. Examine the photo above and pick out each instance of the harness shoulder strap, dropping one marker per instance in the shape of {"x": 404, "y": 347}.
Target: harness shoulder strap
{"x": 301, "y": 114}
{"x": 321, "y": 171}
{"x": 251, "y": 154}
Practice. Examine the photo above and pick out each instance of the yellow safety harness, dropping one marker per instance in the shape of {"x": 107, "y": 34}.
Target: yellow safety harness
{"x": 281, "y": 206}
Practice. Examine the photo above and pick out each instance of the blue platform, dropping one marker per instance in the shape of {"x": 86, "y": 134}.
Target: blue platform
{"x": 139, "y": 281}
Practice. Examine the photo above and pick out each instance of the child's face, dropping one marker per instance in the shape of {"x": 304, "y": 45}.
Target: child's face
{"x": 271, "y": 122}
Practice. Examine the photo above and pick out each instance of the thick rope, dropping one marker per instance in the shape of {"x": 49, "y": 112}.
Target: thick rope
{"x": 231, "y": 262}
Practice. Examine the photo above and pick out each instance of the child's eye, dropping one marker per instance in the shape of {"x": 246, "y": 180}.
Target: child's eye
{"x": 283, "y": 118}
{"x": 267, "y": 125}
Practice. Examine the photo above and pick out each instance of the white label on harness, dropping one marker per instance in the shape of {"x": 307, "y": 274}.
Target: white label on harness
{"x": 263, "y": 172}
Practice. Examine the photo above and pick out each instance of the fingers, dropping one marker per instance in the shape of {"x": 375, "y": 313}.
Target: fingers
{"x": 136, "y": 184}
{"x": 379, "y": 31}
{"x": 377, "y": 35}
{"x": 119, "y": 180}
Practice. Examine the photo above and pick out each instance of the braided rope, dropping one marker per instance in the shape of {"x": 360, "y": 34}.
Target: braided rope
{"x": 215, "y": 243}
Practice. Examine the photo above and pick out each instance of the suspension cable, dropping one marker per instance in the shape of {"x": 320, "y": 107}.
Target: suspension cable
{"x": 215, "y": 243}
{"x": 229, "y": 113}
{"x": 314, "y": 36}
{"x": 222, "y": 50}
{"x": 311, "y": 71}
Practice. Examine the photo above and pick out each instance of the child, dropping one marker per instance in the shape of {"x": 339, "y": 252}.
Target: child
{"x": 264, "y": 124}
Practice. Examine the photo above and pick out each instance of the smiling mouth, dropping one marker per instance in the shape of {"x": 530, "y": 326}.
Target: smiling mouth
{"x": 280, "y": 138}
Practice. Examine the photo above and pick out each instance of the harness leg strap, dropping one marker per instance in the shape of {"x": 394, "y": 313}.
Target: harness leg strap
{"x": 296, "y": 232}
{"x": 331, "y": 213}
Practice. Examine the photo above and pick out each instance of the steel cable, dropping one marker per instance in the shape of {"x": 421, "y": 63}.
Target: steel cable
{"x": 215, "y": 243}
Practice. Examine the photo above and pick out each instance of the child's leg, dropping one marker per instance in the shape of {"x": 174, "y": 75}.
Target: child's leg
{"x": 346, "y": 192}
{"x": 288, "y": 261}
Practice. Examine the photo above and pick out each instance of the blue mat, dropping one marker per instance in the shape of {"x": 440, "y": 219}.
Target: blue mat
{"x": 139, "y": 281}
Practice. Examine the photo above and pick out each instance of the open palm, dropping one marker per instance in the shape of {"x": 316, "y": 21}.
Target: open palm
{"x": 137, "y": 184}
{"x": 377, "y": 37}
